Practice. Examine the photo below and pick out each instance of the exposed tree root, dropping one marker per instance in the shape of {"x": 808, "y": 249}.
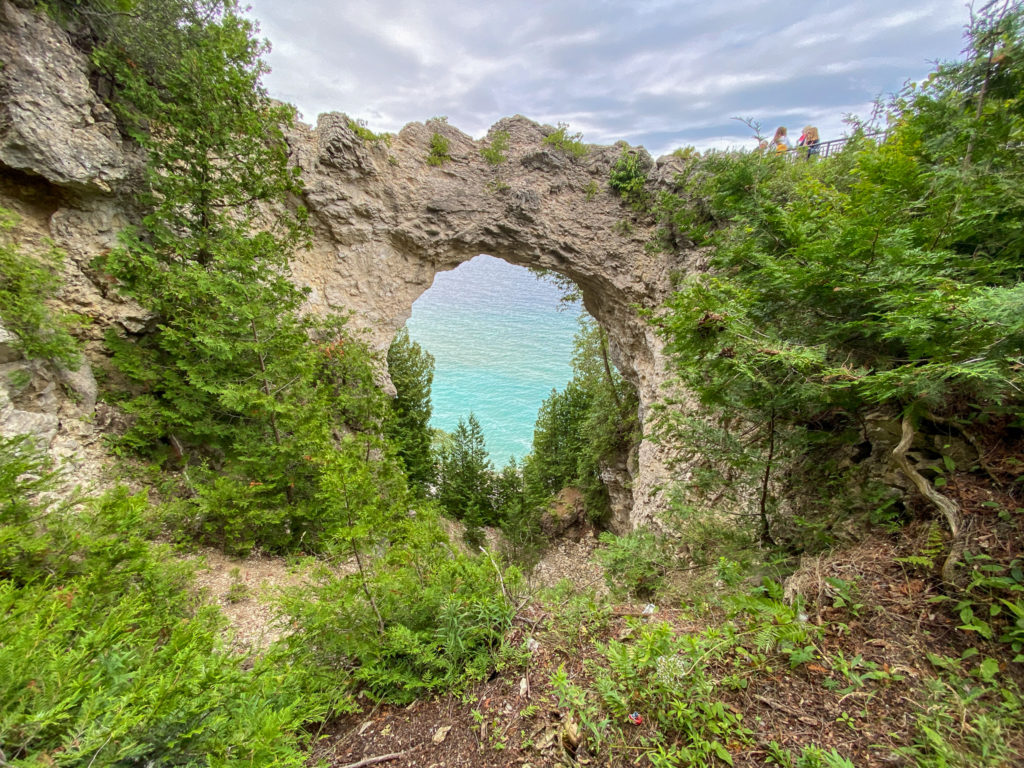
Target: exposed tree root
{"x": 949, "y": 508}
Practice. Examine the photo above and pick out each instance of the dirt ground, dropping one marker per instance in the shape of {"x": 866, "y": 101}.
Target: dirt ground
{"x": 514, "y": 719}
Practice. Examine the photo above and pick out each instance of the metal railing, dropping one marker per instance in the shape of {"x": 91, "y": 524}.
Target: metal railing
{"x": 828, "y": 148}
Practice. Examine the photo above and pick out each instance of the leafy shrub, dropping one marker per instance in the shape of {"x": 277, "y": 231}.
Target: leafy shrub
{"x": 440, "y": 150}
{"x": 967, "y": 718}
{"x": 665, "y": 676}
{"x": 674, "y": 679}
{"x": 568, "y": 143}
{"x": 422, "y": 618}
{"x": 105, "y": 657}
{"x": 628, "y": 177}
{"x": 635, "y": 564}
{"x": 494, "y": 153}
{"x": 845, "y": 286}
{"x": 27, "y": 281}
{"x": 575, "y": 614}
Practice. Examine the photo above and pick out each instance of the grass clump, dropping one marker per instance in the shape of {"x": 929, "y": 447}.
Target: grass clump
{"x": 440, "y": 150}
{"x": 358, "y": 127}
{"x": 568, "y": 143}
{"x": 495, "y": 152}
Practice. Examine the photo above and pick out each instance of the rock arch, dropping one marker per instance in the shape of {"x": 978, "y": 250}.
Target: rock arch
{"x": 386, "y": 222}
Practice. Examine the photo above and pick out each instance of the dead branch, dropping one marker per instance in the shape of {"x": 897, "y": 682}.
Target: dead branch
{"x": 374, "y": 760}
{"x": 949, "y": 508}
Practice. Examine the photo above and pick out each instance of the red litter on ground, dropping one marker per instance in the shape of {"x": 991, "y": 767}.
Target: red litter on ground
{"x": 635, "y": 718}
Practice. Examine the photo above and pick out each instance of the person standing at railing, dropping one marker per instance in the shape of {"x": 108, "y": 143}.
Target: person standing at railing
{"x": 780, "y": 143}
{"x": 809, "y": 138}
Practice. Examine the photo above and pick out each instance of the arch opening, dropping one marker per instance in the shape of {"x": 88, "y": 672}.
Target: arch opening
{"x": 501, "y": 340}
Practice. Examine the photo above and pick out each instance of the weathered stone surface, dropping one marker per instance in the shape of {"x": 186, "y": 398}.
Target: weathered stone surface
{"x": 14, "y": 421}
{"x": 385, "y": 222}
{"x": 566, "y": 512}
{"x": 51, "y": 122}
{"x": 82, "y": 384}
{"x": 9, "y": 351}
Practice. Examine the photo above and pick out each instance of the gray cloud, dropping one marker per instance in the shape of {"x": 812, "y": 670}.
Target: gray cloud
{"x": 662, "y": 73}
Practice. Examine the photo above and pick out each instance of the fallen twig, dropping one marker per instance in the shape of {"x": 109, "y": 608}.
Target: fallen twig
{"x": 777, "y": 705}
{"x": 373, "y": 760}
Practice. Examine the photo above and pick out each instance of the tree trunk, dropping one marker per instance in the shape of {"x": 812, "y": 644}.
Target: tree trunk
{"x": 289, "y": 491}
{"x": 608, "y": 369}
{"x": 766, "y": 534}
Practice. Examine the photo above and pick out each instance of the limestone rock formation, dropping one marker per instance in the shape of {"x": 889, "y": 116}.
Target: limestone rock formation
{"x": 385, "y": 221}
{"x": 51, "y": 122}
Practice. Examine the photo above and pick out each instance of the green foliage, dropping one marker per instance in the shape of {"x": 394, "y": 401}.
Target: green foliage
{"x": 887, "y": 277}
{"x": 575, "y": 613}
{"x": 628, "y": 177}
{"x": 438, "y": 624}
{"x": 408, "y": 428}
{"x": 811, "y": 756}
{"x": 674, "y": 680}
{"x": 861, "y": 281}
{"x": 664, "y": 676}
{"x": 992, "y": 603}
{"x": 358, "y": 127}
{"x": 636, "y": 564}
{"x": 234, "y": 382}
{"x": 591, "y": 190}
{"x": 772, "y": 624}
{"x": 494, "y": 153}
{"x": 967, "y": 718}
{"x": 585, "y": 427}
{"x": 105, "y": 657}
{"x": 440, "y": 150}
{"x": 570, "y": 144}
{"x": 520, "y": 519}
{"x": 27, "y": 281}
{"x": 466, "y": 478}
{"x": 228, "y": 335}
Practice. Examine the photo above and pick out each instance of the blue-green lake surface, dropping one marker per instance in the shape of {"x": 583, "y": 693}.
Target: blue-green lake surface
{"x": 500, "y": 345}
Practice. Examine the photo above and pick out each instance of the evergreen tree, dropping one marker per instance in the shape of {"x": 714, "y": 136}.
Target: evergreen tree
{"x": 888, "y": 277}
{"x": 466, "y": 483}
{"x": 232, "y": 374}
{"x": 582, "y": 428}
{"x": 412, "y": 372}
{"x": 228, "y": 340}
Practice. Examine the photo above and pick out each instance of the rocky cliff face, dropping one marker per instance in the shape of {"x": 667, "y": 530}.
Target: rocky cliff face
{"x": 385, "y": 221}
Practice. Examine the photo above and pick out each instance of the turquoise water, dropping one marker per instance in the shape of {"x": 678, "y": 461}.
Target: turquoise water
{"x": 500, "y": 345}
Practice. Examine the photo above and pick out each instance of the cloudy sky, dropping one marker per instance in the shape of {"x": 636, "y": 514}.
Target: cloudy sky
{"x": 660, "y": 73}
